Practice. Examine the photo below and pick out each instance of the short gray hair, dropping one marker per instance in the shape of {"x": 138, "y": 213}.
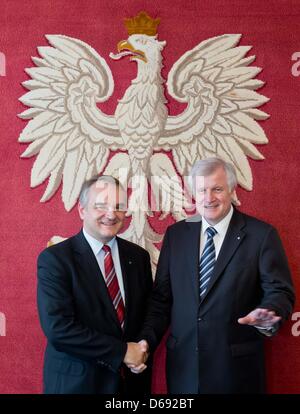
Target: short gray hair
{"x": 208, "y": 166}
{"x": 84, "y": 193}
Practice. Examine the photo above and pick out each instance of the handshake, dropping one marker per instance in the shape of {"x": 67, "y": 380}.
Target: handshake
{"x": 136, "y": 356}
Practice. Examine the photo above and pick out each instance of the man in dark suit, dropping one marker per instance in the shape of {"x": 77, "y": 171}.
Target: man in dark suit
{"x": 92, "y": 290}
{"x": 223, "y": 285}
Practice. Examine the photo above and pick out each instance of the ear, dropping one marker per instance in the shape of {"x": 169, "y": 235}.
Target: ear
{"x": 80, "y": 210}
{"x": 234, "y": 199}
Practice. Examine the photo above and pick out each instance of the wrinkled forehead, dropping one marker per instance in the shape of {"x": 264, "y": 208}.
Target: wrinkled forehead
{"x": 107, "y": 192}
{"x": 213, "y": 178}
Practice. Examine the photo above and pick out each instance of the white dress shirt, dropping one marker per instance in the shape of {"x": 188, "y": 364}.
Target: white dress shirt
{"x": 96, "y": 247}
{"x": 221, "y": 229}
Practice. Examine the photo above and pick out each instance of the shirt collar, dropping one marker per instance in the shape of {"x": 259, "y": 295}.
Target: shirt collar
{"x": 95, "y": 244}
{"x": 222, "y": 226}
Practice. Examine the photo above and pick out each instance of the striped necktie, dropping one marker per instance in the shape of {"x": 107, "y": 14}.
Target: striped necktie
{"x": 207, "y": 261}
{"x": 112, "y": 284}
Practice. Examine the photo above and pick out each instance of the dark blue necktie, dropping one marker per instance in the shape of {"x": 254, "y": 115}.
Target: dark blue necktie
{"x": 207, "y": 261}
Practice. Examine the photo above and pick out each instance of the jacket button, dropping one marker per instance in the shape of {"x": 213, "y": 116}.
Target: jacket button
{"x": 200, "y": 319}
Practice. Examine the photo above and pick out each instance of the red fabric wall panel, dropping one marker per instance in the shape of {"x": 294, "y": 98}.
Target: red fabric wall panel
{"x": 272, "y": 28}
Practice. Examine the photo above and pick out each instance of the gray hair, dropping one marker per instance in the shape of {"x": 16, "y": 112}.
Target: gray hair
{"x": 208, "y": 166}
{"x": 84, "y": 193}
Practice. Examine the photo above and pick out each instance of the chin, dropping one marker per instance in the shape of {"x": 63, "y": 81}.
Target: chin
{"x": 212, "y": 219}
{"x": 108, "y": 234}
{"x": 210, "y": 214}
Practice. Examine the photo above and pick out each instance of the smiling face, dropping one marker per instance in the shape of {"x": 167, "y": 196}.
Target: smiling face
{"x": 213, "y": 196}
{"x": 104, "y": 213}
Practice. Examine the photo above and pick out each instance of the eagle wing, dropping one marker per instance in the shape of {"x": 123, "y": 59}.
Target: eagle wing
{"x": 67, "y": 130}
{"x": 219, "y": 87}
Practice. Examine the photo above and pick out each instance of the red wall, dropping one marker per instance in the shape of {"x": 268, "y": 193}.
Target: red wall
{"x": 273, "y": 28}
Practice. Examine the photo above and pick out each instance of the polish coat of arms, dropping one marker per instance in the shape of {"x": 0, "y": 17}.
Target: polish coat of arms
{"x": 73, "y": 139}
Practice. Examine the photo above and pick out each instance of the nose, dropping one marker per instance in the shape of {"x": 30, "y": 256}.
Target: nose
{"x": 110, "y": 213}
{"x": 209, "y": 196}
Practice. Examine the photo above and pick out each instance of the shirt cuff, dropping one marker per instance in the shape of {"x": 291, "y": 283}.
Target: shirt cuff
{"x": 267, "y": 331}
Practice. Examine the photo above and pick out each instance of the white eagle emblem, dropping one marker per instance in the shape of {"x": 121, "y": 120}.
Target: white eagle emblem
{"x": 73, "y": 139}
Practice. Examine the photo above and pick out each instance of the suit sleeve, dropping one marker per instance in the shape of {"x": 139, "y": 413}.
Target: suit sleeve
{"x": 276, "y": 282}
{"x": 159, "y": 305}
{"x": 148, "y": 273}
{"x": 59, "y": 322}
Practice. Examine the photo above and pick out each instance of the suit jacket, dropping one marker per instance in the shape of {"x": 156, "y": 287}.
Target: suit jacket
{"x": 86, "y": 344}
{"x": 208, "y": 351}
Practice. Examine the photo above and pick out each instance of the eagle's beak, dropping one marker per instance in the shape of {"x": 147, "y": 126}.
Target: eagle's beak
{"x": 136, "y": 54}
{"x": 124, "y": 45}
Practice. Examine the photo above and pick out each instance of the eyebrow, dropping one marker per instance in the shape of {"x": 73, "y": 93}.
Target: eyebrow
{"x": 100, "y": 203}
{"x": 116, "y": 207}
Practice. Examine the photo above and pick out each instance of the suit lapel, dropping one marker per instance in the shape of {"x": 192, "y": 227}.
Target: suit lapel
{"x": 231, "y": 242}
{"x": 192, "y": 249}
{"x": 88, "y": 265}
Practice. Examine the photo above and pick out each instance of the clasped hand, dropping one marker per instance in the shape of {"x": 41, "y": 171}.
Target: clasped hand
{"x": 136, "y": 356}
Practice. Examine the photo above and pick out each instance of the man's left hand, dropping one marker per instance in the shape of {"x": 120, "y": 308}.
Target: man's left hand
{"x": 263, "y": 318}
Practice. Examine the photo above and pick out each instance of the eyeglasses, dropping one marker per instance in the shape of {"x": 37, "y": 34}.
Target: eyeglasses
{"x": 107, "y": 207}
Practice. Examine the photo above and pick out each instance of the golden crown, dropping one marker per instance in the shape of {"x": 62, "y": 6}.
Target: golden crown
{"x": 142, "y": 24}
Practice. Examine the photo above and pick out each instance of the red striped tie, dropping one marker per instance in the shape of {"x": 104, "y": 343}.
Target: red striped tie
{"x": 113, "y": 285}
